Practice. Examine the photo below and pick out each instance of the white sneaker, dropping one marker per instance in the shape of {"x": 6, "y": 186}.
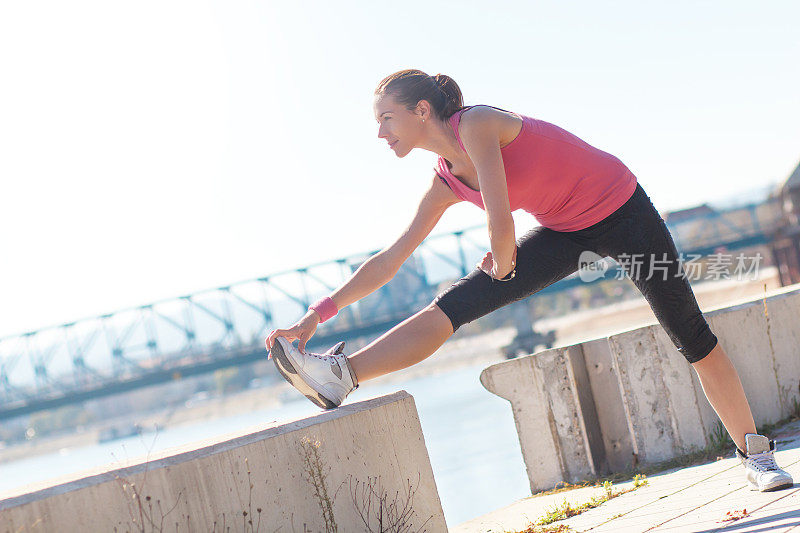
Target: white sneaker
{"x": 760, "y": 469}
{"x": 325, "y": 379}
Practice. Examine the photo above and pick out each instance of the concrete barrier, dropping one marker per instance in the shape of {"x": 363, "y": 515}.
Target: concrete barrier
{"x": 658, "y": 395}
{"x": 611, "y": 416}
{"x": 783, "y": 313}
{"x": 548, "y": 414}
{"x": 631, "y": 398}
{"x": 337, "y": 470}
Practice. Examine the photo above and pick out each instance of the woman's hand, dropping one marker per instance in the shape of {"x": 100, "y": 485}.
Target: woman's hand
{"x": 303, "y": 330}
{"x": 486, "y": 264}
{"x": 493, "y": 270}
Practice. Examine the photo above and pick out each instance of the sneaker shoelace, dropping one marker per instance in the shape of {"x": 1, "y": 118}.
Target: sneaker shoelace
{"x": 330, "y": 358}
{"x": 764, "y": 461}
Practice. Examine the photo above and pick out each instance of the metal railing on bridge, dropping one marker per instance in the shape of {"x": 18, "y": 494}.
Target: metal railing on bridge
{"x": 216, "y": 328}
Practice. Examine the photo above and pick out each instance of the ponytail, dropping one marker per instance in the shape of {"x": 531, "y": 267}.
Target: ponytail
{"x": 410, "y": 86}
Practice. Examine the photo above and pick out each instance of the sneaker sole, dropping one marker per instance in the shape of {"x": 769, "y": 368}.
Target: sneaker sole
{"x": 779, "y": 486}
{"x": 290, "y": 374}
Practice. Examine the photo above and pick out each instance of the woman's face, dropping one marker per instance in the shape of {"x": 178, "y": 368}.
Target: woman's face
{"x": 401, "y": 128}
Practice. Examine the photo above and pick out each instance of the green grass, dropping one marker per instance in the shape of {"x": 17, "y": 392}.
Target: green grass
{"x": 567, "y": 510}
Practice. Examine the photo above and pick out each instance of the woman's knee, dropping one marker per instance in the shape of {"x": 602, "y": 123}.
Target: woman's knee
{"x": 470, "y": 298}
{"x": 440, "y": 317}
{"x": 688, "y": 330}
{"x": 702, "y": 345}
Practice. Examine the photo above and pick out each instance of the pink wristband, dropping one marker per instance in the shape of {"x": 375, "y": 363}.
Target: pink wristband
{"x": 325, "y": 308}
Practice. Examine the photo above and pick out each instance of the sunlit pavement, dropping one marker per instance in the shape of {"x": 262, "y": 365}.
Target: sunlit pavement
{"x": 699, "y": 499}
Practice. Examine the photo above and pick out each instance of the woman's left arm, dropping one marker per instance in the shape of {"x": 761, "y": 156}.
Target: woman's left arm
{"x": 480, "y": 134}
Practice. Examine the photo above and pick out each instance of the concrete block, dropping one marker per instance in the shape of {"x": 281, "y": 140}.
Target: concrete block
{"x": 614, "y": 429}
{"x": 589, "y": 421}
{"x": 742, "y": 332}
{"x": 548, "y": 415}
{"x": 306, "y": 475}
{"x": 633, "y": 398}
{"x": 783, "y": 325}
{"x": 518, "y": 382}
{"x": 570, "y": 421}
{"x": 685, "y": 400}
{"x": 664, "y": 414}
{"x": 665, "y": 404}
{"x": 643, "y": 393}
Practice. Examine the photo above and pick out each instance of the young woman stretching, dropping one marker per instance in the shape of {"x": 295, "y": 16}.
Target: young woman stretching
{"x": 585, "y": 199}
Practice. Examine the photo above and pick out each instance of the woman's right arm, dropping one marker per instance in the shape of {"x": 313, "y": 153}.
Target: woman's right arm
{"x": 380, "y": 268}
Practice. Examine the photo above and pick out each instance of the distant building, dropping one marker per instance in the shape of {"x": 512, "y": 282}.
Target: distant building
{"x": 786, "y": 241}
{"x": 686, "y": 214}
{"x": 789, "y": 192}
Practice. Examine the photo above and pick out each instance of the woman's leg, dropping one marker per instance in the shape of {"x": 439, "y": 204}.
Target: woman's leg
{"x": 544, "y": 256}
{"x": 642, "y": 244}
{"x": 408, "y": 343}
{"x": 724, "y": 391}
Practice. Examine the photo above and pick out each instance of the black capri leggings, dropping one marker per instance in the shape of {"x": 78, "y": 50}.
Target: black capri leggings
{"x": 634, "y": 235}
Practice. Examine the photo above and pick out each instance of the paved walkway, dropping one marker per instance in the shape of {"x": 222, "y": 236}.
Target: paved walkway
{"x": 697, "y": 499}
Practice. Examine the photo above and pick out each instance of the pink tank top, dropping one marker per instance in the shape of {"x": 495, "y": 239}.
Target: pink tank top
{"x": 555, "y": 176}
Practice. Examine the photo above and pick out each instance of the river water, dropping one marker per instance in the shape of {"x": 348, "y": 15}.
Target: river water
{"x": 469, "y": 433}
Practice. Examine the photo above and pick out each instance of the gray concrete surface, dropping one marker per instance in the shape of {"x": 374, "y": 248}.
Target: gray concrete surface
{"x": 336, "y": 467}
{"x": 692, "y": 500}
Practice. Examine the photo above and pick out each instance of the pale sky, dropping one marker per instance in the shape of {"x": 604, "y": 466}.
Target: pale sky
{"x": 152, "y": 149}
